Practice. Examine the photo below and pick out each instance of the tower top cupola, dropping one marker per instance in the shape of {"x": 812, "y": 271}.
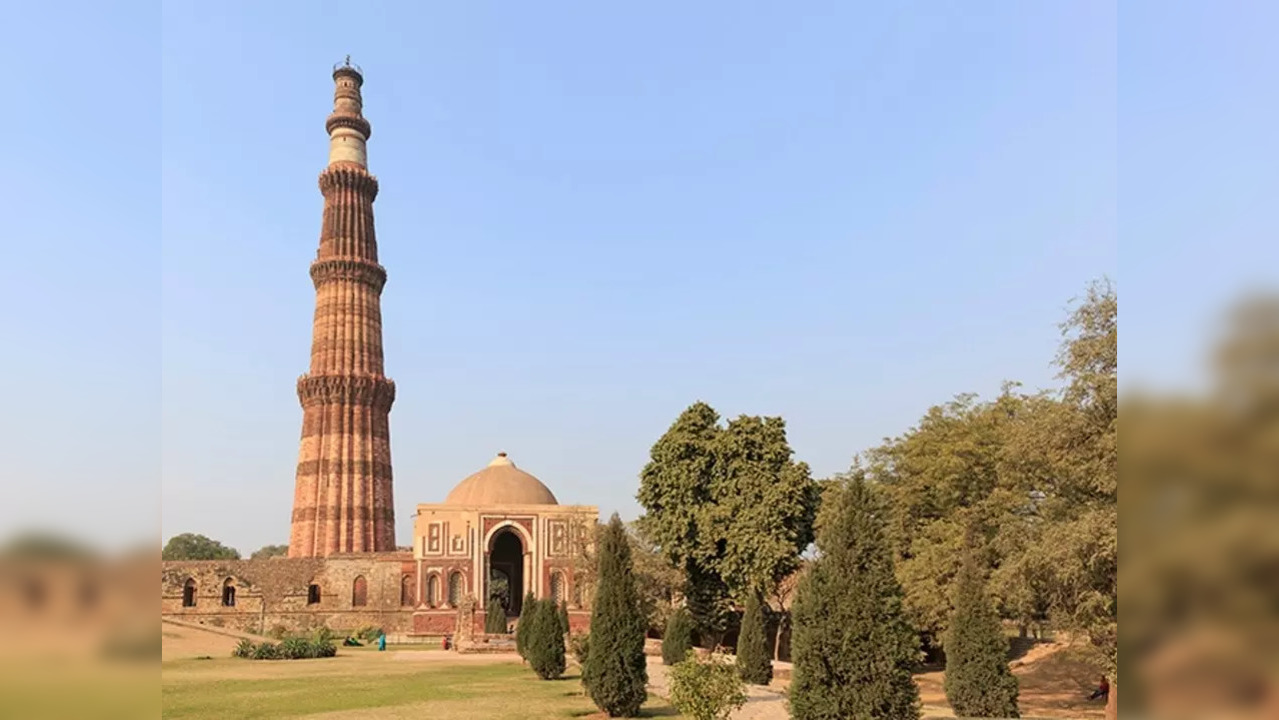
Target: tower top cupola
{"x": 348, "y": 130}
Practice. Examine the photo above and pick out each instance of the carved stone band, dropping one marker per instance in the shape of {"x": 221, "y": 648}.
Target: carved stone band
{"x": 375, "y": 392}
{"x": 348, "y": 176}
{"x": 363, "y": 271}
{"x": 307, "y": 514}
{"x": 354, "y": 122}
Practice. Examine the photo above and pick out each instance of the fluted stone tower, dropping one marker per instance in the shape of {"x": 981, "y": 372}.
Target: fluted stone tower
{"x": 342, "y": 502}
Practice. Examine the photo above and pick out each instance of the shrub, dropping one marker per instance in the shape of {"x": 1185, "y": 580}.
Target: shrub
{"x": 978, "y": 681}
{"x": 853, "y": 649}
{"x": 266, "y": 651}
{"x": 526, "y": 620}
{"x": 753, "y": 661}
{"x": 296, "y": 648}
{"x": 678, "y": 638}
{"x": 580, "y": 644}
{"x": 368, "y": 633}
{"x": 562, "y": 616}
{"x": 279, "y": 632}
{"x": 323, "y": 648}
{"x": 544, "y": 646}
{"x": 615, "y": 671}
{"x": 707, "y": 690}
{"x": 494, "y": 618}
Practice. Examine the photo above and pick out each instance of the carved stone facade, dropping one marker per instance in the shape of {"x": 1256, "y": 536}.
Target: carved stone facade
{"x": 495, "y": 548}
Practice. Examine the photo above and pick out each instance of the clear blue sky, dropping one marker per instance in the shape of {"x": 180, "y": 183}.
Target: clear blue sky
{"x": 591, "y": 217}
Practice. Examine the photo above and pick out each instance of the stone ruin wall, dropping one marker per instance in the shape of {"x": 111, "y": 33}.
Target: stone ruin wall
{"x": 273, "y": 592}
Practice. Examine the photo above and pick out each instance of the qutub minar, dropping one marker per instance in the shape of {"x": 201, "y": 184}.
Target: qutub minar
{"x": 343, "y": 500}
{"x": 499, "y": 533}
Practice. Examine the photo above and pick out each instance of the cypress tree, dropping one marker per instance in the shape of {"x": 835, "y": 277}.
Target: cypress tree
{"x": 706, "y": 596}
{"x": 978, "y": 681}
{"x": 615, "y": 672}
{"x": 753, "y": 662}
{"x": 853, "y": 649}
{"x": 494, "y": 618}
{"x": 526, "y": 621}
{"x": 678, "y": 638}
{"x": 544, "y": 646}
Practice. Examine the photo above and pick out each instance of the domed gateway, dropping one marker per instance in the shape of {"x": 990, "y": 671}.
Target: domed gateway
{"x": 499, "y": 534}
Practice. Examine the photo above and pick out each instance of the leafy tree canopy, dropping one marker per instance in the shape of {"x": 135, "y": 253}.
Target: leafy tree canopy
{"x": 728, "y": 505}
{"x": 1035, "y": 475}
{"x": 190, "y": 546}
{"x": 270, "y": 551}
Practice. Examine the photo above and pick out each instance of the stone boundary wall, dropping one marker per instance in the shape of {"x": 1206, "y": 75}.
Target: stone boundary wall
{"x": 353, "y": 592}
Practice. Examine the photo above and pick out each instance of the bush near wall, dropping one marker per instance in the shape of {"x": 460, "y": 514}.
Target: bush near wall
{"x": 319, "y": 645}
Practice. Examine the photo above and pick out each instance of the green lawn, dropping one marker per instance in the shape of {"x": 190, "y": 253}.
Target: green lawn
{"x": 372, "y": 685}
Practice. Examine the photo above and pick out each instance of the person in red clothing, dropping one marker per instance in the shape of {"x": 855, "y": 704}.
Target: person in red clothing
{"x": 1102, "y": 691}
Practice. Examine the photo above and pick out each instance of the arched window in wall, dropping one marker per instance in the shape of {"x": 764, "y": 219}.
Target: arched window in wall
{"x": 188, "y": 593}
{"x": 456, "y": 588}
{"x": 359, "y": 592}
{"x": 557, "y": 587}
{"x": 433, "y": 590}
{"x": 228, "y": 593}
{"x": 406, "y": 590}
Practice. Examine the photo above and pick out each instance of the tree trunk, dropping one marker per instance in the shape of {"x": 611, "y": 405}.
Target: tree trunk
{"x": 1112, "y": 701}
{"x": 777, "y": 639}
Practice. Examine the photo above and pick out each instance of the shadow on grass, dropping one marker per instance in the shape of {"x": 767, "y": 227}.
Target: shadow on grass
{"x": 648, "y": 711}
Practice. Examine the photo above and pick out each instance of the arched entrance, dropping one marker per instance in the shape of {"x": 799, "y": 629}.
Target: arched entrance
{"x": 506, "y": 570}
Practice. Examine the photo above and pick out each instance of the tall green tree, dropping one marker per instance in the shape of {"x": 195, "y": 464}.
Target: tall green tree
{"x": 190, "y": 546}
{"x": 978, "y": 682}
{"x": 754, "y": 664}
{"x": 1068, "y": 454}
{"x": 678, "y": 638}
{"x": 525, "y": 623}
{"x": 615, "y": 672}
{"x": 852, "y": 647}
{"x": 544, "y": 646}
{"x": 729, "y": 505}
{"x": 764, "y": 505}
{"x": 494, "y": 617}
{"x": 676, "y": 487}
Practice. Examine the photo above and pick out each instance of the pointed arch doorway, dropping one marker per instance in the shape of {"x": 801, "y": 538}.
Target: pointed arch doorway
{"x": 506, "y": 570}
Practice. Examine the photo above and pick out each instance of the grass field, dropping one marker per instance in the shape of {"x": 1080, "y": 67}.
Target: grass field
{"x": 363, "y": 684}
{"x": 418, "y": 681}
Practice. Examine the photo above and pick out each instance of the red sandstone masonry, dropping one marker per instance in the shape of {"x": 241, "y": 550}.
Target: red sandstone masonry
{"x": 343, "y": 500}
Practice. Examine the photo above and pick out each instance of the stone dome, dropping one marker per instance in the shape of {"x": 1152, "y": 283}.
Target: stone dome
{"x": 501, "y": 483}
